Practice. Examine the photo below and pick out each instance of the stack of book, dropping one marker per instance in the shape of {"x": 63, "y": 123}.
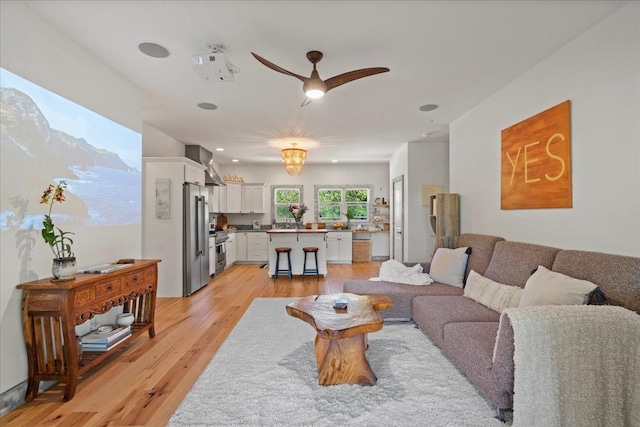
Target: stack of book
{"x": 104, "y": 341}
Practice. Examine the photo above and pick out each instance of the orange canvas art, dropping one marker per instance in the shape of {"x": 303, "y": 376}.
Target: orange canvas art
{"x": 536, "y": 161}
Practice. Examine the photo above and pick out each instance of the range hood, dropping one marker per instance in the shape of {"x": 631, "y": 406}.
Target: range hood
{"x": 203, "y": 156}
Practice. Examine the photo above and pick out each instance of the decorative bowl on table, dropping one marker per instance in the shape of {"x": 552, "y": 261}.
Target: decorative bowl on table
{"x": 125, "y": 319}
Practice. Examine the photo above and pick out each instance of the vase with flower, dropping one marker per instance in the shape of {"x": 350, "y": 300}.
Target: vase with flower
{"x": 64, "y": 261}
{"x": 297, "y": 212}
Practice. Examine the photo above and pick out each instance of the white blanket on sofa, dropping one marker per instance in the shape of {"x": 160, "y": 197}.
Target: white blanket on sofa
{"x": 395, "y": 271}
{"x": 576, "y": 365}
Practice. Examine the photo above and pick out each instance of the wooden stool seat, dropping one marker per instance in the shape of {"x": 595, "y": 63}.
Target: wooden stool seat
{"x": 280, "y": 270}
{"x": 305, "y": 270}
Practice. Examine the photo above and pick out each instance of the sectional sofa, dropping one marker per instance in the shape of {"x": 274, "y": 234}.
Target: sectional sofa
{"x": 467, "y": 331}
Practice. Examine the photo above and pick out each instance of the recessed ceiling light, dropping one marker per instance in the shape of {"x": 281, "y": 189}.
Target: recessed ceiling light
{"x": 428, "y": 107}
{"x": 334, "y": 161}
{"x": 219, "y": 149}
{"x": 153, "y": 50}
{"x": 235, "y": 160}
{"x": 207, "y": 106}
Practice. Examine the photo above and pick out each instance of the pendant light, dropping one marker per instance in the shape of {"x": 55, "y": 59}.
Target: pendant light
{"x": 293, "y": 159}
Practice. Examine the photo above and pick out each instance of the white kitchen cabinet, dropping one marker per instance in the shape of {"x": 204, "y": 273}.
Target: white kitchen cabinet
{"x": 217, "y": 199}
{"x": 380, "y": 247}
{"x": 241, "y": 246}
{"x": 222, "y": 198}
{"x": 253, "y": 198}
{"x": 257, "y": 247}
{"x": 251, "y": 246}
{"x": 214, "y": 199}
{"x": 193, "y": 174}
{"x": 231, "y": 249}
{"x": 339, "y": 249}
{"x": 234, "y": 198}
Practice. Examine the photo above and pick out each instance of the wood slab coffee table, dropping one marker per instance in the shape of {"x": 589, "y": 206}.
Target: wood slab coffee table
{"x": 342, "y": 334}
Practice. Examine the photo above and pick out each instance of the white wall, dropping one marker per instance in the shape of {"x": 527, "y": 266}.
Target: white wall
{"x": 339, "y": 174}
{"x": 421, "y": 163}
{"x": 35, "y": 50}
{"x": 157, "y": 144}
{"x": 600, "y": 73}
{"x": 399, "y": 167}
{"x": 428, "y": 165}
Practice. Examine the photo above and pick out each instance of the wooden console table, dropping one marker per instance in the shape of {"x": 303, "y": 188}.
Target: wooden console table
{"x": 52, "y": 310}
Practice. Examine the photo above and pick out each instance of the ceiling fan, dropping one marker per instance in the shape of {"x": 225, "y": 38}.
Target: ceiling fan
{"x": 314, "y": 87}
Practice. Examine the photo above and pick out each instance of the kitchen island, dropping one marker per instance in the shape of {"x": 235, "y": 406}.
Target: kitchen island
{"x": 296, "y": 240}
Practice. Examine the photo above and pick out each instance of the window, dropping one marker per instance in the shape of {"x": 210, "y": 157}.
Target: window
{"x": 333, "y": 202}
{"x": 282, "y": 197}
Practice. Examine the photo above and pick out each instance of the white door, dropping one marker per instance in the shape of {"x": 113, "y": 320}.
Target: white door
{"x": 398, "y": 214}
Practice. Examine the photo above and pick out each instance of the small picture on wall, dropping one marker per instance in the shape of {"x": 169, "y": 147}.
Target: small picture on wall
{"x": 163, "y": 198}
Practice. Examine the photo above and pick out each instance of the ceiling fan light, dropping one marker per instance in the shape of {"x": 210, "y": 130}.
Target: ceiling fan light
{"x": 314, "y": 93}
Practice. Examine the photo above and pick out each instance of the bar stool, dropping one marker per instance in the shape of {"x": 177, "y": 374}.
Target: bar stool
{"x": 304, "y": 265}
{"x": 278, "y": 269}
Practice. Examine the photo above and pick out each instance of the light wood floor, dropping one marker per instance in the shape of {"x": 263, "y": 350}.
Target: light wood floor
{"x": 143, "y": 384}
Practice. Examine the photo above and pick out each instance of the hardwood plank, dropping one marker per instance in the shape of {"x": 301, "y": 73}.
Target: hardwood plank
{"x": 143, "y": 384}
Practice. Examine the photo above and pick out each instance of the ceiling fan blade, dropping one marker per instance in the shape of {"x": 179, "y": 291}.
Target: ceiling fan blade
{"x": 279, "y": 69}
{"x": 341, "y": 79}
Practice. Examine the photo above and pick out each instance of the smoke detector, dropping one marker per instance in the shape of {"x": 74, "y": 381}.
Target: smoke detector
{"x": 214, "y": 65}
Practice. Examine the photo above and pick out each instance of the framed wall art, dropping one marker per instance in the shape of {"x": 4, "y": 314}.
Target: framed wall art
{"x": 536, "y": 161}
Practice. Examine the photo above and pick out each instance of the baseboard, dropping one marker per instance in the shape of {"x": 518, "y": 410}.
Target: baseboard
{"x": 14, "y": 397}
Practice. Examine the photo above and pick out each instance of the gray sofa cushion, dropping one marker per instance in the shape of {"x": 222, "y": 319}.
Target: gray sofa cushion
{"x": 432, "y": 313}
{"x": 513, "y": 262}
{"x": 470, "y": 346}
{"x": 617, "y": 276}
{"x": 481, "y": 250}
{"x": 400, "y": 294}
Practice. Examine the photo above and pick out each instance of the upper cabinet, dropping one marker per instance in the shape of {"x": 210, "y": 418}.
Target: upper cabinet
{"x": 234, "y": 198}
{"x": 193, "y": 174}
{"x": 253, "y": 198}
{"x": 217, "y": 199}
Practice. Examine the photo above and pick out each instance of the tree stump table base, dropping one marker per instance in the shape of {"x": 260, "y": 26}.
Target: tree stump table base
{"x": 342, "y": 334}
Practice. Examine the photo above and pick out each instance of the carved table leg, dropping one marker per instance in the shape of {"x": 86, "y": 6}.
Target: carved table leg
{"x": 342, "y": 361}
{"x": 71, "y": 361}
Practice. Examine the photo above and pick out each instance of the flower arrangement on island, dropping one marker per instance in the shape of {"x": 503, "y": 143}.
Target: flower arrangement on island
{"x": 297, "y": 212}
{"x": 60, "y": 243}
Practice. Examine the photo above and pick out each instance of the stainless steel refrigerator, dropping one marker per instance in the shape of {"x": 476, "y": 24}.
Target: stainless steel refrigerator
{"x": 195, "y": 244}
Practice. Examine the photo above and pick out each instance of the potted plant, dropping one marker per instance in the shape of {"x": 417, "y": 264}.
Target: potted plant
{"x": 64, "y": 261}
{"x": 350, "y": 215}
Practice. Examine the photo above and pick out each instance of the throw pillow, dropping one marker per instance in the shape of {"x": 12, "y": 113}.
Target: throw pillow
{"x": 546, "y": 287}
{"x": 494, "y": 295}
{"x": 448, "y": 266}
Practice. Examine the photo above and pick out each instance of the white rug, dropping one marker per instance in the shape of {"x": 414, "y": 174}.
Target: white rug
{"x": 265, "y": 375}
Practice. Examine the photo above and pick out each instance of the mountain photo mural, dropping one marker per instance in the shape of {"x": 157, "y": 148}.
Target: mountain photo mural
{"x": 45, "y": 138}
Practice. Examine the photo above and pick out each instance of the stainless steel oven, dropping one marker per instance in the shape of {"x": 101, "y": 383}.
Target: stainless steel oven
{"x": 221, "y": 238}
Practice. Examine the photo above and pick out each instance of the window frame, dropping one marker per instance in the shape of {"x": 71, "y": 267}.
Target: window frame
{"x": 274, "y": 205}
{"x": 343, "y": 203}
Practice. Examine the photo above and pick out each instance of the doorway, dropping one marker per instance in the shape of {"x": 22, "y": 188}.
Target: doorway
{"x": 398, "y": 216}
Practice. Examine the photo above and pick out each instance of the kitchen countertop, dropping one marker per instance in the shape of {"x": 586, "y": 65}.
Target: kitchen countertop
{"x": 293, "y": 230}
